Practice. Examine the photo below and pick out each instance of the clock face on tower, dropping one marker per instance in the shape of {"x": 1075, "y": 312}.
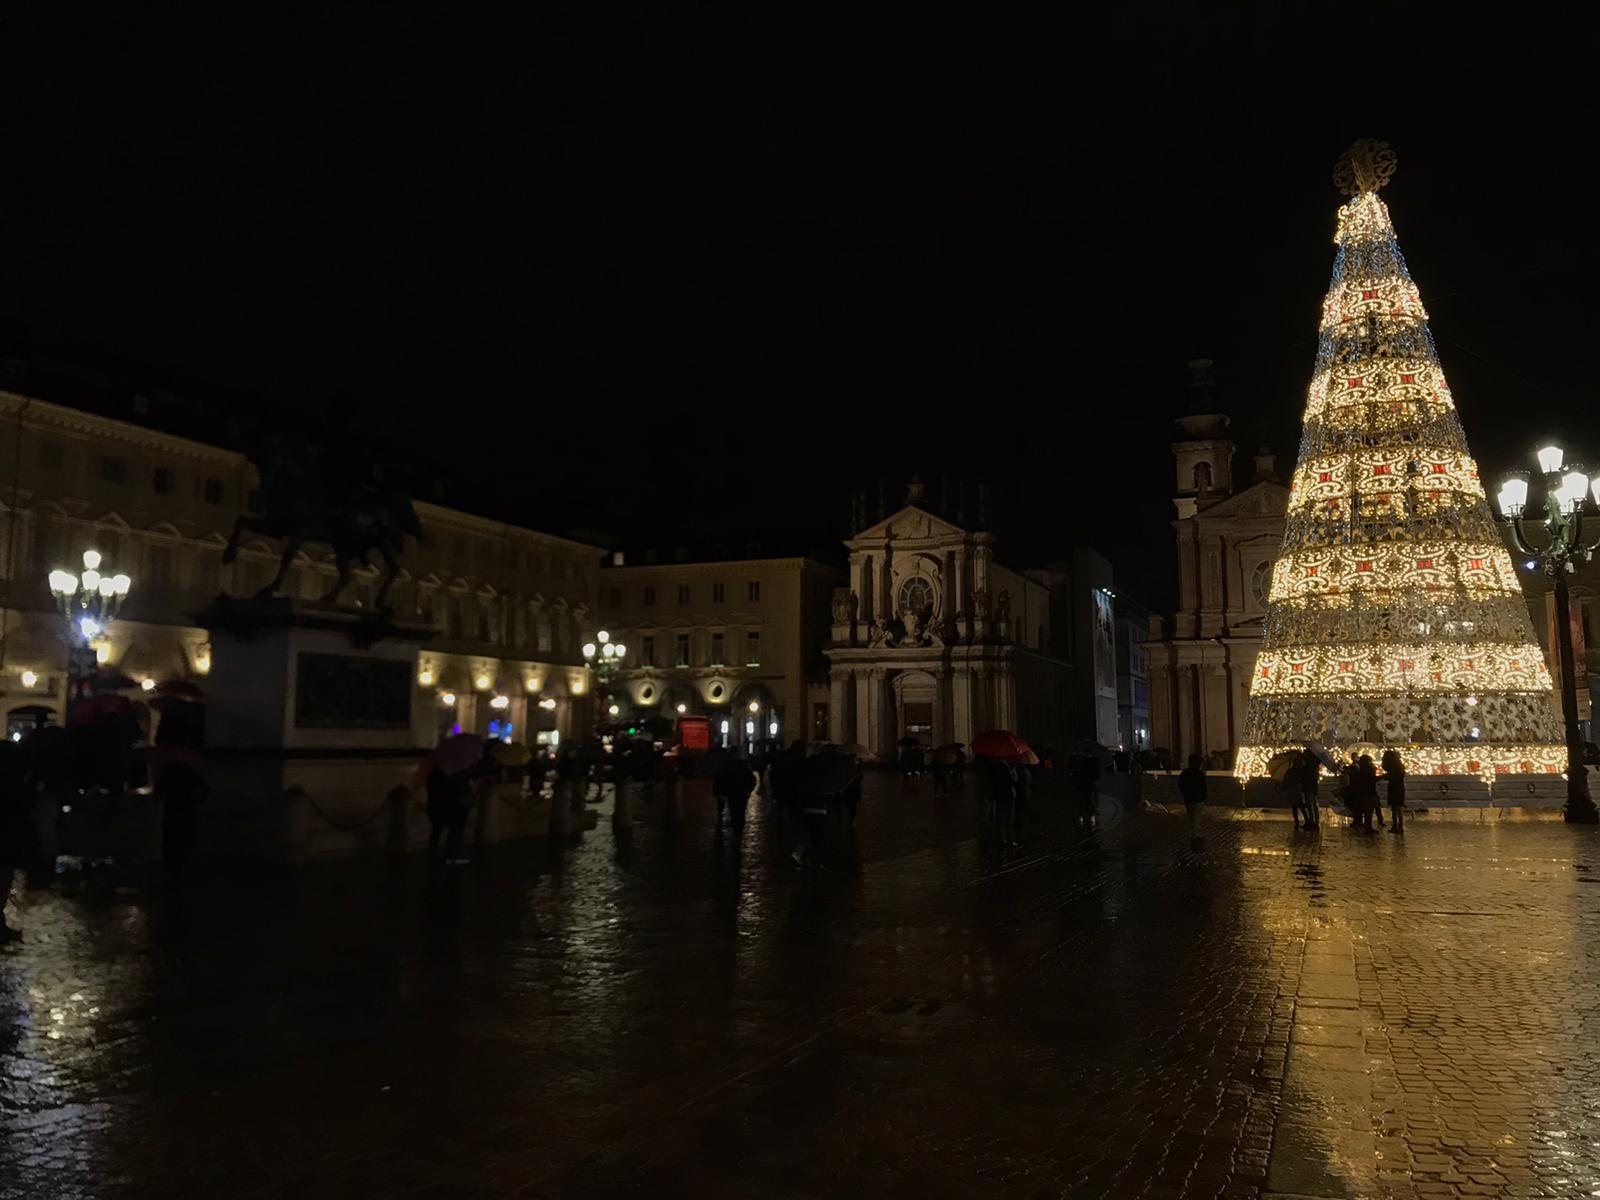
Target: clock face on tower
{"x": 916, "y": 595}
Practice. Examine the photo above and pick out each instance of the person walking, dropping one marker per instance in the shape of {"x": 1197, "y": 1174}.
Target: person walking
{"x": 1024, "y": 799}
{"x": 1001, "y": 801}
{"x": 941, "y": 771}
{"x": 786, "y": 782}
{"x": 1394, "y": 773}
{"x": 1363, "y": 791}
{"x": 1192, "y": 787}
{"x": 438, "y": 789}
{"x": 182, "y": 791}
{"x": 1310, "y": 776}
{"x": 732, "y": 785}
{"x": 16, "y": 826}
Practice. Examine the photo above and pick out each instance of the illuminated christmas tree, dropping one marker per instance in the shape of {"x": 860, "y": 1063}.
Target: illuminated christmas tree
{"x": 1395, "y": 617}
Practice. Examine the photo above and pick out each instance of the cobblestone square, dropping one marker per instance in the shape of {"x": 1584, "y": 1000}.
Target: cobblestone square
{"x": 640, "y": 1007}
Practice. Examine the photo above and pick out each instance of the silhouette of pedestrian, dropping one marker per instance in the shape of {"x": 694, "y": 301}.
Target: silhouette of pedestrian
{"x": 732, "y": 785}
{"x": 1394, "y": 772}
{"x": 1001, "y": 806}
{"x": 1192, "y": 787}
{"x": 181, "y": 791}
{"x": 16, "y": 825}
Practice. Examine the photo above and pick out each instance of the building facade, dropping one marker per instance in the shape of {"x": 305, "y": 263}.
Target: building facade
{"x": 934, "y": 640}
{"x": 738, "y": 641}
{"x": 1133, "y": 674}
{"x": 509, "y": 605}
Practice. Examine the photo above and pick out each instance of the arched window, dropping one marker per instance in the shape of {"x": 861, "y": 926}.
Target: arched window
{"x": 1261, "y": 583}
{"x": 916, "y": 595}
{"x": 1202, "y": 477}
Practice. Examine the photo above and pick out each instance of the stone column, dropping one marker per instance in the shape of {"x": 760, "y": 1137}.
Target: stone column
{"x": 1183, "y": 738}
{"x": 838, "y": 692}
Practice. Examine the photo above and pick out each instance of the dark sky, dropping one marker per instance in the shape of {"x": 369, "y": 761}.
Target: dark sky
{"x": 763, "y": 254}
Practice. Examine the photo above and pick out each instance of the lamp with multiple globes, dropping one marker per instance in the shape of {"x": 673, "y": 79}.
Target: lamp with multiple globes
{"x": 1565, "y": 495}
{"x": 89, "y": 600}
{"x": 604, "y": 657}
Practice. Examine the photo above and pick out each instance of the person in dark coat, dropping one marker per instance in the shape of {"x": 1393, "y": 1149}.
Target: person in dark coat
{"x": 16, "y": 825}
{"x": 732, "y": 785}
{"x": 786, "y": 779}
{"x": 1001, "y": 780}
{"x": 1085, "y": 777}
{"x": 1394, "y": 773}
{"x": 181, "y": 790}
{"x": 1363, "y": 793}
{"x": 1310, "y": 776}
{"x": 1192, "y": 787}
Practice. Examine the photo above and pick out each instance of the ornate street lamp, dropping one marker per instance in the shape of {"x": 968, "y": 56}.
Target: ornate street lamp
{"x": 604, "y": 657}
{"x": 89, "y": 601}
{"x": 1565, "y": 493}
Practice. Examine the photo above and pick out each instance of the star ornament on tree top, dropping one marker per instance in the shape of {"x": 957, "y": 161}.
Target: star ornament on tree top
{"x": 1365, "y": 167}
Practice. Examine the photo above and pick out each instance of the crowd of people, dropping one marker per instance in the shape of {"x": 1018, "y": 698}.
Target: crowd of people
{"x": 1300, "y": 780}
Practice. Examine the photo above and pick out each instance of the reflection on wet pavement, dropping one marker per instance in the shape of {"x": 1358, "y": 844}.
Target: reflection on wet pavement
{"x": 642, "y": 1006}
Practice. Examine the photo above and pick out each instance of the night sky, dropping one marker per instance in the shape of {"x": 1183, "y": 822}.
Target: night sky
{"x": 693, "y": 274}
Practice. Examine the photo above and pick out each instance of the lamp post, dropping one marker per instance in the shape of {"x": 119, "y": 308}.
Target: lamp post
{"x": 604, "y": 657}
{"x": 89, "y": 601}
{"x": 1565, "y": 493}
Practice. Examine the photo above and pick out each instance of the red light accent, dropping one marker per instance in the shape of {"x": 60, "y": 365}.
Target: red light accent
{"x": 1408, "y": 378}
{"x": 1355, "y": 382}
{"x": 1324, "y": 476}
{"x": 1424, "y": 564}
{"x": 1364, "y": 565}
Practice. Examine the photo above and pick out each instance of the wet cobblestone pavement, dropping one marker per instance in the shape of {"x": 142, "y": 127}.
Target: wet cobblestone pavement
{"x": 640, "y": 1009}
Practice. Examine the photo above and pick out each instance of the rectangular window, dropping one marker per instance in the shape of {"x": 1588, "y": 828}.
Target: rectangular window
{"x": 647, "y": 651}
{"x": 163, "y": 573}
{"x": 50, "y": 455}
{"x": 161, "y": 481}
{"x": 752, "y": 649}
{"x": 754, "y": 592}
{"x": 682, "y": 650}
{"x": 649, "y": 594}
{"x": 716, "y": 649}
{"x": 211, "y": 491}
{"x": 683, "y": 593}
{"x": 819, "y": 723}
{"x": 616, "y": 597}
{"x": 425, "y": 607}
{"x": 458, "y": 619}
{"x": 544, "y": 636}
{"x": 719, "y": 593}
{"x": 113, "y": 468}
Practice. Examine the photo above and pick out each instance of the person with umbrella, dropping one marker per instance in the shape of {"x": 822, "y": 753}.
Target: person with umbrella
{"x": 732, "y": 781}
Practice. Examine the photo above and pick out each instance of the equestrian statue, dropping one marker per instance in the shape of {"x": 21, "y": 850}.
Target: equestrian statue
{"x": 311, "y": 495}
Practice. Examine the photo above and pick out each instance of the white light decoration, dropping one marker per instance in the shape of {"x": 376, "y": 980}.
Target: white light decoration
{"x": 482, "y": 682}
{"x": 602, "y": 636}
{"x": 448, "y": 699}
{"x": 755, "y": 706}
{"x": 1395, "y": 617}
{"x": 608, "y": 650}
{"x": 147, "y": 684}
{"x": 1550, "y": 459}
{"x": 548, "y": 704}
{"x": 613, "y": 710}
{"x": 425, "y": 676}
{"x": 683, "y": 708}
{"x": 500, "y": 702}
{"x": 772, "y": 729}
{"x": 91, "y": 560}
{"x": 202, "y": 659}
{"x": 29, "y": 679}
{"x": 588, "y": 649}
{"x": 621, "y": 649}
{"x": 531, "y": 683}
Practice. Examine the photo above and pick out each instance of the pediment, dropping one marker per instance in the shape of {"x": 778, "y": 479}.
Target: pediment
{"x": 1265, "y": 499}
{"x": 910, "y": 523}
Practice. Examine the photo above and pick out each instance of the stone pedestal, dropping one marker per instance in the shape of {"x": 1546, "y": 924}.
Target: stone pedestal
{"x": 301, "y": 675}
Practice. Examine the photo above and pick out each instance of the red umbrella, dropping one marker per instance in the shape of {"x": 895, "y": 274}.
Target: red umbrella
{"x": 1004, "y": 745}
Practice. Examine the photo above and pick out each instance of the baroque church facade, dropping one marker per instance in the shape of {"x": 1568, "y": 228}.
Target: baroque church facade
{"x": 937, "y": 641}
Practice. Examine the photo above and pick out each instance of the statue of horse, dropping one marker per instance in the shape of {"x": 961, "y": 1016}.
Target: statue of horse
{"x": 305, "y": 499}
